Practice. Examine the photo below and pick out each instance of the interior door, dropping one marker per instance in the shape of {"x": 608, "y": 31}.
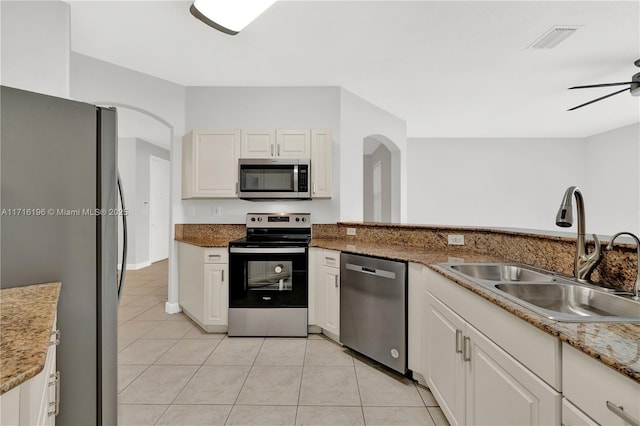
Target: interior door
{"x": 159, "y": 183}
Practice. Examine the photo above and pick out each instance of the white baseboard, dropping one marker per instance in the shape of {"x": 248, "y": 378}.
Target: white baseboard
{"x": 134, "y": 266}
{"x": 172, "y": 308}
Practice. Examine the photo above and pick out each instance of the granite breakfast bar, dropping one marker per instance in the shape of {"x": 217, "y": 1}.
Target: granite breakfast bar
{"x": 27, "y": 315}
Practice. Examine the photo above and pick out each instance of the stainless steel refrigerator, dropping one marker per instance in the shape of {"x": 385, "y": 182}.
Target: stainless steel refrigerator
{"x": 59, "y": 222}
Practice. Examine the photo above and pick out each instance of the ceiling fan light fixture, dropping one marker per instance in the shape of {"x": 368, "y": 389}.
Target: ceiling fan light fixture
{"x": 229, "y": 16}
{"x": 553, "y": 37}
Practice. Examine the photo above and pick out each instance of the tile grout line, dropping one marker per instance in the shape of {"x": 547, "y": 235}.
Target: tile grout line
{"x": 355, "y": 372}
{"x": 244, "y": 382}
{"x": 304, "y": 361}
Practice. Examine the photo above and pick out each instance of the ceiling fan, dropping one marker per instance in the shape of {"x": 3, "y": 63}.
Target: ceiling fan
{"x": 634, "y": 88}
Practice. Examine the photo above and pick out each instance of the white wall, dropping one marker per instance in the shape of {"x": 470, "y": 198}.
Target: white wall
{"x": 493, "y": 182}
{"x": 358, "y": 120}
{"x": 612, "y": 181}
{"x": 263, "y": 108}
{"x": 35, "y": 46}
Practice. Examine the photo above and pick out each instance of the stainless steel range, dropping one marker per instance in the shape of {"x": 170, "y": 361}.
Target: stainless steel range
{"x": 268, "y": 276}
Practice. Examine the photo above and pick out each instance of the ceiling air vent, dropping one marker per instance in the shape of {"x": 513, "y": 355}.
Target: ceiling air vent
{"x": 554, "y": 36}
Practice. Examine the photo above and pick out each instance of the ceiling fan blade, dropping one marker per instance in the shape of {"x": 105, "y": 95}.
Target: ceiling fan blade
{"x": 602, "y": 85}
{"x": 599, "y": 99}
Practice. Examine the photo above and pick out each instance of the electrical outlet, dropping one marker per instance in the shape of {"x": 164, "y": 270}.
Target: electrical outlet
{"x": 217, "y": 211}
{"x": 456, "y": 240}
{"x": 351, "y": 231}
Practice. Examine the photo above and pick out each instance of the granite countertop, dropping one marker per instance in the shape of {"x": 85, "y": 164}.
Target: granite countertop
{"x": 26, "y": 318}
{"x": 204, "y": 241}
{"x": 617, "y": 345}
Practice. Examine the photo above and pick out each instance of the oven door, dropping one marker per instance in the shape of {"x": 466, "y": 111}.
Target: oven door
{"x": 268, "y": 277}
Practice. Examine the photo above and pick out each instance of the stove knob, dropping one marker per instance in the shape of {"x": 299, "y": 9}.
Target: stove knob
{"x": 297, "y": 219}
{"x": 253, "y": 219}
{"x": 259, "y": 219}
{"x": 304, "y": 219}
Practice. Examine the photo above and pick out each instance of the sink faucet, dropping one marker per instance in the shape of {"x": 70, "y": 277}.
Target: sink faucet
{"x": 636, "y": 286}
{"x": 584, "y": 263}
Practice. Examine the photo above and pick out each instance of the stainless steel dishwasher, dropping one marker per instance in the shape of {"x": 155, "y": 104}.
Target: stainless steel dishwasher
{"x": 373, "y": 308}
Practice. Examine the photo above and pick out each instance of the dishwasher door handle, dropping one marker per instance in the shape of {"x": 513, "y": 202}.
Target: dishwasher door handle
{"x": 371, "y": 271}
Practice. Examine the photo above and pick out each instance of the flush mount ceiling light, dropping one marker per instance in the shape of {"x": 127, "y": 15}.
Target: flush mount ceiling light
{"x": 553, "y": 37}
{"x": 229, "y": 16}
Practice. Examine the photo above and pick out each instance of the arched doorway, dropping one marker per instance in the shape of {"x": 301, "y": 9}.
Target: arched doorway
{"x": 381, "y": 180}
{"x": 142, "y": 137}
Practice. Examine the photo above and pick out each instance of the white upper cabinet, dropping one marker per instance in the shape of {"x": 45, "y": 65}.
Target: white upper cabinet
{"x": 258, "y": 144}
{"x": 210, "y": 164}
{"x": 321, "y": 163}
{"x": 293, "y": 144}
{"x": 276, "y": 144}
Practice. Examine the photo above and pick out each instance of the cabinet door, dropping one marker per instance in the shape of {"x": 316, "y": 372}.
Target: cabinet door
{"x": 258, "y": 144}
{"x": 210, "y": 164}
{"x": 216, "y": 294}
{"x": 445, "y": 365}
{"x": 321, "y": 163}
{"x": 293, "y": 143}
{"x": 501, "y": 391}
{"x": 331, "y": 293}
{"x": 39, "y": 395}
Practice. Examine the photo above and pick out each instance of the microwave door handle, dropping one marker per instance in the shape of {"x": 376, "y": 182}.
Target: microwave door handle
{"x": 295, "y": 178}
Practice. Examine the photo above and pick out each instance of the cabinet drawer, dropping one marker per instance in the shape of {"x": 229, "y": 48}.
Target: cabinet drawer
{"x": 216, "y": 255}
{"x": 573, "y": 416}
{"x": 589, "y": 384}
{"x": 331, "y": 258}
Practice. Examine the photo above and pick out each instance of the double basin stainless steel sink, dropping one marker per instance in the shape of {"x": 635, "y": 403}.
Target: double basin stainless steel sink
{"x": 549, "y": 294}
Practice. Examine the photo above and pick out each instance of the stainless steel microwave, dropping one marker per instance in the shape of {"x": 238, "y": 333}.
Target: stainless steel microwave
{"x": 274, "y": 179}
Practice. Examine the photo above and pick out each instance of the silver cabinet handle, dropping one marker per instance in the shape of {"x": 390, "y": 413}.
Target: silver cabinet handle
{"x": 467, "y": 349}
{"x": 278, "y": 150}
{"x": 458, "y": 341}
{"x": 619, "y": 411}
{"x": 222, "y": 275}
{"x": 314, "y": 187}
{"x": 214, "y": 256}
{"x": 54, "y": 381}
{"x": 56, "y": 335}
{"x": 272, "y": 150}
{"x": 329, "y": 259}
{"x": 337, "y": 282}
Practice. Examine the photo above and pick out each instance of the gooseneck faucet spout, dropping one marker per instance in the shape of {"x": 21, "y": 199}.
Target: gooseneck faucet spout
{"x": 584, "y": 263}
{"x": 636, "y": 286}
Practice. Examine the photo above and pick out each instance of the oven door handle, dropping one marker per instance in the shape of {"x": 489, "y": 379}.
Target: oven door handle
{"x": 265, "y": 250}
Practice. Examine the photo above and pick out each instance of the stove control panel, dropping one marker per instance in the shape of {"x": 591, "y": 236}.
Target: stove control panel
{"x": 278, "y": 220}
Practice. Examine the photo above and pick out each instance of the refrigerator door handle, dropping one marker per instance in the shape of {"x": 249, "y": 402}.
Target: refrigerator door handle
{"x": 123, "y": 267}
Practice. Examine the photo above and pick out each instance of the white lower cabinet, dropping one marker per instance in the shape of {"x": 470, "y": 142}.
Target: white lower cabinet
{"x": 573, "y": 416}
{"x": 36, "y": 401}
{"x": 478, "y": 383}
{"x": 602, "y": 394}
{"x": 324, "y": 280}
{"x": 203, "y": 275}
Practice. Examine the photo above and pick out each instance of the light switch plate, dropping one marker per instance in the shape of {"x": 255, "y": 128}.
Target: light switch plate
{"x": 456, "y": 240}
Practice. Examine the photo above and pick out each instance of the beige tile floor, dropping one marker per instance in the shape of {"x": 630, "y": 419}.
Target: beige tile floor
{"x": 172, "y": 373}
